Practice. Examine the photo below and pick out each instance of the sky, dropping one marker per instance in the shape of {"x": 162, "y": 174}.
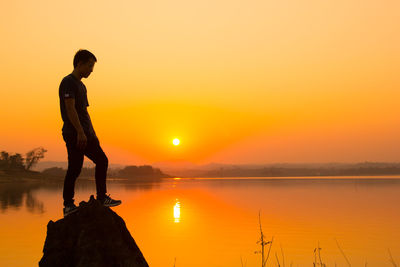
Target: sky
{"x": 236, "y": 81}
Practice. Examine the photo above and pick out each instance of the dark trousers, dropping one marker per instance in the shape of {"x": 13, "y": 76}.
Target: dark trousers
{"x": 75, "y": 161}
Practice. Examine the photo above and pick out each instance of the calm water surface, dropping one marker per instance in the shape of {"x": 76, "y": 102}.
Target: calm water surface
{"x": 214, "y": 222}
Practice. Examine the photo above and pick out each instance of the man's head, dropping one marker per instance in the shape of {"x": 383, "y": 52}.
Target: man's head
{"x": 84, "y": 62}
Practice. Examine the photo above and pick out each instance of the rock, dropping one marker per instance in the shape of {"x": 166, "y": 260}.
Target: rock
{"x": 93, "y": 236}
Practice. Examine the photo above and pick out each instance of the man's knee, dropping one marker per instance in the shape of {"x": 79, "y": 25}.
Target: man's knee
{"x": 73, "y": 172}
{"x": 102, "y": 161}
{"x": 105, "y": 162}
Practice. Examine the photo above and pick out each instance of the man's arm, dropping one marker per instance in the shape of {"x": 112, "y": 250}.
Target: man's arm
{"x": 74, "y": 119}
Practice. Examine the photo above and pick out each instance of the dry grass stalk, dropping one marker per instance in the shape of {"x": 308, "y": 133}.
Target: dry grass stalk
{"x": 277, "y": 260}
{"x": 317, "y": 253}
{"x": 391, "y": 259}
{"x": 344, "y": 255}
{"x": 263, "y": 243}
{"x": 241, "y": 261}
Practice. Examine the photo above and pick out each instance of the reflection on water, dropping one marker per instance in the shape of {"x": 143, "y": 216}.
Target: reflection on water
{"x": 140, "y": 186}
{"x": 32, "y": 204}
{"x": 18, "y": 195}
{"x": 177, "y": 211}
{"x": 220, "y": 219}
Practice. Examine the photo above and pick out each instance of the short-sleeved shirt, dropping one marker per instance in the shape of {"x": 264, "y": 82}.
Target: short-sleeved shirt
{"x": 71, "y": 87}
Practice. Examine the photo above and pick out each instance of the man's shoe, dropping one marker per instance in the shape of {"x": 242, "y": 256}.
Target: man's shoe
{"x": 68, "y": 209}
{"x": 109, "y": 202}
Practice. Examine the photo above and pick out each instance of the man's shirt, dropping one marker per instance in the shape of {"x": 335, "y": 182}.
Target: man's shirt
{"x": 71, "y": 87}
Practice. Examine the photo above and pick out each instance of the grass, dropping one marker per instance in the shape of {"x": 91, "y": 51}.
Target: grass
{"x": 318, "y": 262}
{"x": 267, "y": 245}
{"x": 263, "y": 243}
{"x": 391, "y": 259}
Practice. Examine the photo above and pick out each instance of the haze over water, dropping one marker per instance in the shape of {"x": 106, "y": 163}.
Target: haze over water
{"x": 214, "y": 222}
{"x": 236, "y": 81}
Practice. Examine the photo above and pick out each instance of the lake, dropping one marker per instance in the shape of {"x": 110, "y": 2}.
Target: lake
{"x": 215, "y": 222}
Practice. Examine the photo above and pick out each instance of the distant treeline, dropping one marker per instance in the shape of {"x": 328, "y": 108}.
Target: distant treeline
{"x": 17, "y": 163}
{"x": 15, "y": 166}
{"x": 289, "y": 172}
{"x": 144, "y": 172}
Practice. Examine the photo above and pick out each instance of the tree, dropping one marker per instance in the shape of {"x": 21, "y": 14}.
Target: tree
{"x": 4, "y": 157}
{"x": 16, "y": 161}
{"x": 33, "y": 157}
{"x": 11, "y": 162}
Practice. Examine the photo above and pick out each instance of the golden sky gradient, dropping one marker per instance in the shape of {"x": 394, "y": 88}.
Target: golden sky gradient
{"x": 235, "y": 81}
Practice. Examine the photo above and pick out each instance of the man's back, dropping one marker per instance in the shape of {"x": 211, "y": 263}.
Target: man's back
{"x": 71, "y": 87}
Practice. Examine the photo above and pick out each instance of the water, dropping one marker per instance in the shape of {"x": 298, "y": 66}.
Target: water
{"x": 215, "y": 223}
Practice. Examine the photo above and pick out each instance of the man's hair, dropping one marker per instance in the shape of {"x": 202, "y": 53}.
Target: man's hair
{"x": 83, "y": 56}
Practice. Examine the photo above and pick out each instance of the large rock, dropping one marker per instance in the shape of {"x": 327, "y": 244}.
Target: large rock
{"x": 93, "y": 236}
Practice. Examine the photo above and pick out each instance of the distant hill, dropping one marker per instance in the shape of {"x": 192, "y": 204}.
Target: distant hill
{"x": 188, "y": 169}
{"x": 142, "y": 173}
{"x": 284, "y": 169}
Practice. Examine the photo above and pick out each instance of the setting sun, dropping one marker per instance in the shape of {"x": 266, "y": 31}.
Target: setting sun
{"x": 176, "y": 141}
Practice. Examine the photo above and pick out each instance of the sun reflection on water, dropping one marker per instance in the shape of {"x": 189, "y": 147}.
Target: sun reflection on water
{"x": 177, "y": 211}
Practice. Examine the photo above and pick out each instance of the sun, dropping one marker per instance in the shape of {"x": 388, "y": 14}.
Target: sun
{"x": 176, "y": 142}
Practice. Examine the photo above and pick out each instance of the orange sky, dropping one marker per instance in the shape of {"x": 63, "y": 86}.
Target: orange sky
{"x": 236, "y": 81}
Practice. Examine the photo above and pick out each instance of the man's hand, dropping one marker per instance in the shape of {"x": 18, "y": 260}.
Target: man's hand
{"x": 81, "y": 141}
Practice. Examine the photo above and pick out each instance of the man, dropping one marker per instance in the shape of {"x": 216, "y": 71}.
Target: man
{"x": 78, "y": 133}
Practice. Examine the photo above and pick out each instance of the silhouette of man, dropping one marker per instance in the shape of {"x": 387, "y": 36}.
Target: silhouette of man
{"x": 78, "y": 133}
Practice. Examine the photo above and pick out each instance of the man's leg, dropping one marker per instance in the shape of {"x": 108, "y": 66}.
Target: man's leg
{"x": 75, "y": 162}
{"x": 94, "y": 152}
